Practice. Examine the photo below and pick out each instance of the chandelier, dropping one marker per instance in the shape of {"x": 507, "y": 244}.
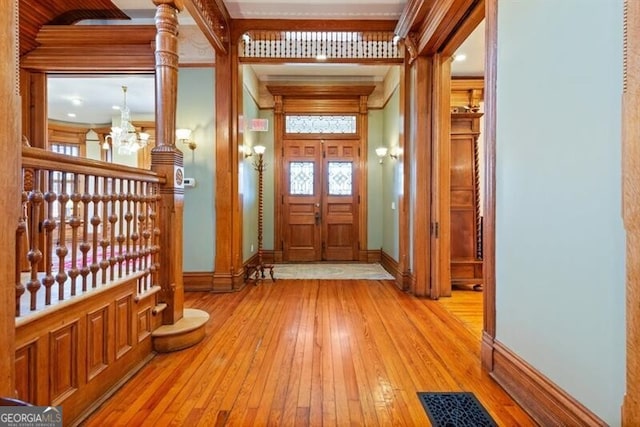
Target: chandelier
{"x": 124, "y": 137}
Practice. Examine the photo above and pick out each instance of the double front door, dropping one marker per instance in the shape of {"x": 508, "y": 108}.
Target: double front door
{"x": 320, "y": 200}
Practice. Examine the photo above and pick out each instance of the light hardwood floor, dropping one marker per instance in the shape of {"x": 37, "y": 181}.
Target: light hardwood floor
{"x": 311, "y": 352}
{"x": 465, "y": 305}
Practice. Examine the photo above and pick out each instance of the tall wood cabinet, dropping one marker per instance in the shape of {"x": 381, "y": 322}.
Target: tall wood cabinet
{"x": 466, "y": 222}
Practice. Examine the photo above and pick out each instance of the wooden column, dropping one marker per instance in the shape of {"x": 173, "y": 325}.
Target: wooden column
{"x": 33, "y": 89}
{"x": 419, "y": 174}
{"x": 489, "y": 211}
{"x": 167, "y": 160}
{"x": 404, "y": 264}
{"x": 631, "y": 206}
{"x": 363, "y": 125}
{"x": 278, "y": 129}
{"x": 228, "y": 273}
{"x": 440, "y": 142}
{"x": 10, "y": 189}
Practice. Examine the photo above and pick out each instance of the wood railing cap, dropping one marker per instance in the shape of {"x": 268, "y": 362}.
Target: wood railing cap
{"x": 42, "y": 159}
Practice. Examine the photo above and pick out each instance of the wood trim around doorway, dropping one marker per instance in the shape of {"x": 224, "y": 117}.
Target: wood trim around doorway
{"x": 312, "y": 99}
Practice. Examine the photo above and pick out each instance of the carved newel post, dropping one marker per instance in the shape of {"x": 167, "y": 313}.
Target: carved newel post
{"x": 181, "y": 326}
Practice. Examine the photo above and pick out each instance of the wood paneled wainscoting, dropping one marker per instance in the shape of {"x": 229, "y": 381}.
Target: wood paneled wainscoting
{"x": 76, "y": 353}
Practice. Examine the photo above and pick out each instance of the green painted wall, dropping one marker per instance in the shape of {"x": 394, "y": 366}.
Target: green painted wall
{"x": 392, "y": 182}
{"x": 560, "y": 244}
{"x": 196, "y": 112}
{"x": 375, "y": 189}
{"x": 249, "y": 178}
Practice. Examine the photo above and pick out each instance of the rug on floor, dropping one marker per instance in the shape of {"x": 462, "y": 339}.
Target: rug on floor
{"x": 331, "y": 271}
{"x": 460, "y": 409}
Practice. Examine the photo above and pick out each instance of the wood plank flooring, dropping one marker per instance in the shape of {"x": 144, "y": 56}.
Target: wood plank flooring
{"x": 311, "y": 353}
{"x": 465, "y": 305}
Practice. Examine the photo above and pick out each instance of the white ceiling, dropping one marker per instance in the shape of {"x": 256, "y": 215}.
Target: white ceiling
{"x": 305, "y": 9}
{"x": 97, "y": 96}
{"x": 100, "y": 93}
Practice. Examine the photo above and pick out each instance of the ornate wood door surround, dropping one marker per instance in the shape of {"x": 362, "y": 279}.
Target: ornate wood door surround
{"x": 321, "y": 135}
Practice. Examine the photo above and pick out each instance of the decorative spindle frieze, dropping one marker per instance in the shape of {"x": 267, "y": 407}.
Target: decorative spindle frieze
{"x": 320, "y": 45}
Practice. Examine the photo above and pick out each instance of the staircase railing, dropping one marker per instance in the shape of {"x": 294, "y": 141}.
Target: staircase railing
{"x": 85, "y": 224}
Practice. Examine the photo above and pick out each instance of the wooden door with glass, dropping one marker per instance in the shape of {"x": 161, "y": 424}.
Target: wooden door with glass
{"x": 320, "y": 202}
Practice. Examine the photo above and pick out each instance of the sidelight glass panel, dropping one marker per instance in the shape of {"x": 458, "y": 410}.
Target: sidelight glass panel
{"x": 320, "y": 124}
{"x": 340, "y": 178}
{"x": 301, "y": 176}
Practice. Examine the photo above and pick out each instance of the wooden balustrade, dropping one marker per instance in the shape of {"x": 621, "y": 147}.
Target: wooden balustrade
{"x": 311, "y": 44}
{"x": 85, "y": 224}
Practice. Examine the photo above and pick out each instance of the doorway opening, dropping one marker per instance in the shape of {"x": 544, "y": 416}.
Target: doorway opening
{"x": 467, "y": 182}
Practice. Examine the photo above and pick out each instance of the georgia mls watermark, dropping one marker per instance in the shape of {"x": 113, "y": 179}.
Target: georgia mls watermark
{"x": 30, "y": 416}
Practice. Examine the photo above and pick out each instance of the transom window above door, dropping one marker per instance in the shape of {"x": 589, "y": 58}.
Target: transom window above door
{"x": 320, "y": 124}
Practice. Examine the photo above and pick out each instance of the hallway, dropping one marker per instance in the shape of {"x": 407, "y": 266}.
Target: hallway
{"x": 311, "y": 352}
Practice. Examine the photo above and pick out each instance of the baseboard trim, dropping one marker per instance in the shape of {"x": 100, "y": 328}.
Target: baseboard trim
{"x": 198, "y": 281}
{"x": 374, "y": 255}
{"x": 545, "y": 402}
{"x": 486, "y": 351}
{"x": 393, "y": 267}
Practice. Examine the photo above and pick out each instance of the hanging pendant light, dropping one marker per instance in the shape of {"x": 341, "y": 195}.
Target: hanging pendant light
{"x": 124, "y": 137}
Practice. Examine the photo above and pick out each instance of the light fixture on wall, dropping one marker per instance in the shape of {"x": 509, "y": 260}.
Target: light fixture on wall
{"x": 381, "y": 152}
{"x": 183, "y": 135}
{"x": 246, "y": 151}
{"x": 395, "y": 152}
{"x": 125, "y": 137}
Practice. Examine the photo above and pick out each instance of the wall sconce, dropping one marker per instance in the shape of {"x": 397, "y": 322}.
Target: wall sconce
{"x": 257, "y": 149}
{"x": 184, "y": 135}
{"x": 395, "y": 152}
{"x": 381, "y": 152}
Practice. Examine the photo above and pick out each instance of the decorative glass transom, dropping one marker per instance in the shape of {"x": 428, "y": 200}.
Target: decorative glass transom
{"x": 340, "y": 178}
{"x": 320, "y": 124}
{"x": 301, "y": 176}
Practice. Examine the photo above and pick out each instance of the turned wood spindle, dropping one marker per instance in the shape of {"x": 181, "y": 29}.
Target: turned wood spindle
{"x": 61, "y": 248}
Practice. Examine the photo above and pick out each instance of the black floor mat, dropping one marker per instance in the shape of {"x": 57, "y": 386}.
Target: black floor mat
{"x": 460, "y": 409}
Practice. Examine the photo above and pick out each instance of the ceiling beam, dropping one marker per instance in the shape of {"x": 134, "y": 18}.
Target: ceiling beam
{"x": 474, "y": 17}
{"x": 413, "y": 13}
{"x": 95, "y": 48}
{"x": 333, "y": 91}
{"x": 213, "y": 20}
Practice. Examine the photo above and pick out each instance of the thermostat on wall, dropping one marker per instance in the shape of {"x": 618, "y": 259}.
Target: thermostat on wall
{"x": 189, "y": 182}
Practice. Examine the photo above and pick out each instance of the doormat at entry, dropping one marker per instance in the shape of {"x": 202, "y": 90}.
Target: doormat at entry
{"x": 460, "y": 409}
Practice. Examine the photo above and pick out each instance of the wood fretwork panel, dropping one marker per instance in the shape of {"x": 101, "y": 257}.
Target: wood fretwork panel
{"x": 63, "y": 363}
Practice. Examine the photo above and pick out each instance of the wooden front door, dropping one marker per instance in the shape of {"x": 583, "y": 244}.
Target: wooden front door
{"x": 320, "y": 202}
